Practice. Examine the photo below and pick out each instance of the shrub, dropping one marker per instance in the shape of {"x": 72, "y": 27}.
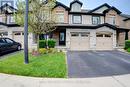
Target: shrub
{"x": 42, "y": 43}
{"x": 128, "y": 50}
{"x": 43, "y": 51}
{"x": 52, "y": 50}
{"x": 127, "y": 44}
{"x": 51, "y": 43}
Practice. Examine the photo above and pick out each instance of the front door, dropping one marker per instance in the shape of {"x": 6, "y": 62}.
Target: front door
{"x": 62, "y": 38}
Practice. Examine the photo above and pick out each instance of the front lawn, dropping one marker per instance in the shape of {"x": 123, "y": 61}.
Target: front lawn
{"x": 46, "y": 65}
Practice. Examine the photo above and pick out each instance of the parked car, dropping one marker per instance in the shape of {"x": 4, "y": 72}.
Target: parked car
{"x": 8, "y": 45}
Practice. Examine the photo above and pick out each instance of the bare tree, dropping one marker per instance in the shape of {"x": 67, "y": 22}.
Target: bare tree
{"x": 41, "y": 17}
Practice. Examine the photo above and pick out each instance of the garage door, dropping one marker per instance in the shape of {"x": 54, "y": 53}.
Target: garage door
{"x": 19, "y": 37}
{"x": 79, "y": 41}
{"x": 104, "y": 42}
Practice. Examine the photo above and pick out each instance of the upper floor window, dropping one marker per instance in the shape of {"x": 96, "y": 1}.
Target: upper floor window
{"x": 60, "y": 17}
{"x": 77, "y": 19}
{"x": 12, "y": 20}
{"x": 96, "y": 20}
{"x": 112, "y": 20}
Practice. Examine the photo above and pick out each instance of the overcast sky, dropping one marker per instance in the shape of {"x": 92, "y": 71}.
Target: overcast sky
{"x": 122, "y": 5}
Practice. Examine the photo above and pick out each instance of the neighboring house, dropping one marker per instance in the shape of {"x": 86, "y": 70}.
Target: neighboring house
{"x": 103, "y": 28}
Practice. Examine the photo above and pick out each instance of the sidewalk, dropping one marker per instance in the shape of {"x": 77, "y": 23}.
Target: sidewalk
{"x": 20, "y": 81}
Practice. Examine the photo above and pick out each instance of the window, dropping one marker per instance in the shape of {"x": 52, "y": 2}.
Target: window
{"x": 9, "y": 41}
{"x": 2, "y": 41}
{"x": 60, "y": 17}
{"x": 107, "y": 35}
{"x": 112, "y": 20}
{"x": 77, "y": 19}
{"x": 99, "y": 35}
{"x": 62, "y": 36}
{"x": 74, "y": 34}
{"x": 95, "y": 20}
{"x": 12, "y": 19}
{"x": 84, "y": 35}
{"x": 4, "y": 34}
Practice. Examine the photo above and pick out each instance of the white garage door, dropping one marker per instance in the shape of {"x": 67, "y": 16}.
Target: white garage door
{"x": 79, "y": 41}
{"x": 104, "y": 42}
{"x": 19, "y": 37}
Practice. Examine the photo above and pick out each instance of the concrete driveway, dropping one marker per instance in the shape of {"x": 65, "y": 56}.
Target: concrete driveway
{"x": 97, "y": 64}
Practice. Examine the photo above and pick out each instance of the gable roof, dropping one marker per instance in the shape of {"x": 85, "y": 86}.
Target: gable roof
{"x": 105, "y": 4}
{"x": 113, "y": 8}
{"x": 126, "y": 19}
{"x": 76, "y": 1}
{"x": 125, "y": 15}
{"x": 5, "y": 6}
{"x": 61, "y": 4}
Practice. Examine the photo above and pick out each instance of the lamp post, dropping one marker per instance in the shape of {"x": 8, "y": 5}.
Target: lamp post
{"x": 26, "y": 60}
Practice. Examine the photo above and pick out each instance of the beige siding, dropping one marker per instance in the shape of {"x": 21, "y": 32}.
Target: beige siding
{"x": 87, "y": 19}
{"x": 127, "y": 23}
{"x": 2, "y": 18}
{"x": 121, "y": 22}
{"x": 76, "y": 7}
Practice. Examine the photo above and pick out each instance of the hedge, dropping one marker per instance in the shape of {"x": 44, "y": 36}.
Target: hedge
{"x": 127, "y": 44}
{"x": 51, "y": 43}
{"x": 42, "y": 43}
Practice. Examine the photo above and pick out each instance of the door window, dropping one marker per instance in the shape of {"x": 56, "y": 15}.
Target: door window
{"x": 2, "y": 41}
{"x": 74, "y": 34}
{"x": 9, "y": 41}
{"x": 62, "y": 36}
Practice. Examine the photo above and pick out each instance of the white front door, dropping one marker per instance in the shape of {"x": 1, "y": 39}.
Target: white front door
{"x": 79, "y": 41}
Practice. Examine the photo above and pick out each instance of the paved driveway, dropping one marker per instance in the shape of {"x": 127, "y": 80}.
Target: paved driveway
{"x": 97, "y": 64}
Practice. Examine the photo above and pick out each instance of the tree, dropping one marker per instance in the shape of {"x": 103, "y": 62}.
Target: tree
{"x": 41, "y": 18}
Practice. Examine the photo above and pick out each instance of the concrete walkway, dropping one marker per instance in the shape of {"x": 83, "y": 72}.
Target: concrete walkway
{"x": 20, "y": 81}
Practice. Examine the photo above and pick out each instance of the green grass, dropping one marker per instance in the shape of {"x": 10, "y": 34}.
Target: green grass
{"x": 46, "y": 65}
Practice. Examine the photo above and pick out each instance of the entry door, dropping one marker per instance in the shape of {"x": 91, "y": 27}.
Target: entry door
{"x": 104, "y": 42}
{"x": 79, "y": 41}
{"x": 62, "y": 38}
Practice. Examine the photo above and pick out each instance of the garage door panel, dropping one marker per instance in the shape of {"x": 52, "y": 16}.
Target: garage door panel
{"x": 19, "y": 37}
{"x": 79, "y": 42}
{"x": 104, "y": 42}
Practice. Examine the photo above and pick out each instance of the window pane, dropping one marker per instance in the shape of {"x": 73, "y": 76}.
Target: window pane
{"x": 100, "y": 35}
{"x": 9, "y": 41}
{"x": 75, "y": 34}
{"x": 62, "y": 37}
{"x": 107, "y": 35}
{"x": 77, "y": 19}
{"x": 112, "y": 20}
{"x": 96, "y": 20}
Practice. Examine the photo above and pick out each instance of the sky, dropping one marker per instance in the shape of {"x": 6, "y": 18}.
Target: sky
{"x": 122, "y": 5}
